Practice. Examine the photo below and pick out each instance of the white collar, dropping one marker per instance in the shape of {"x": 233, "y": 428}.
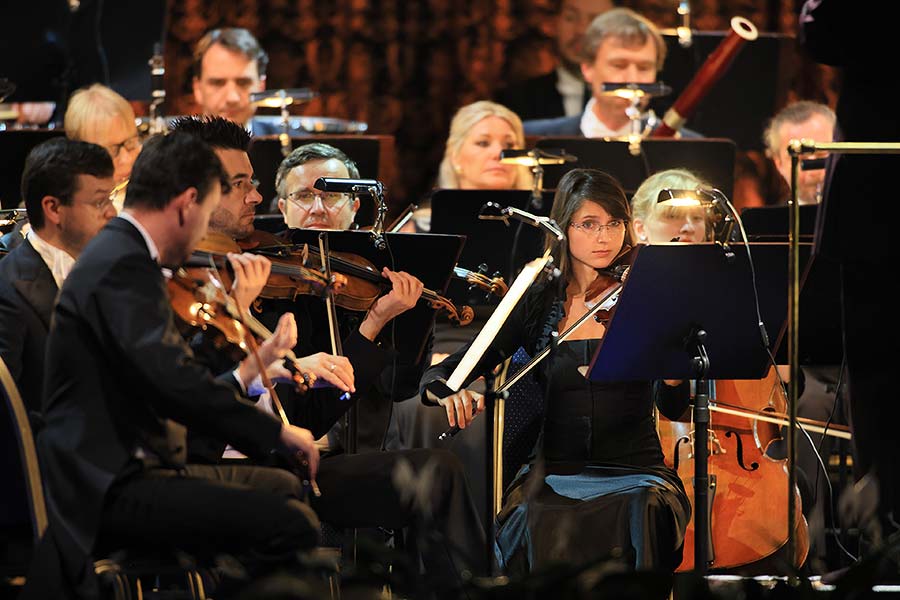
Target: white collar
{"x": 151, "y": 245}
{"x": 593, "y": 127}
{"x": 57, "y": 260}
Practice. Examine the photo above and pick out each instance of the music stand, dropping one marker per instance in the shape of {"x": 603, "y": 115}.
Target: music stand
{"x": 687, "y": 312}
{"x": 15, "y": 144}
{"x": 427, "y": 256}
{"x": 365, "y": 150}
{"x": 488, "y": 242}
{"x": 712, "y": 159}
{"x": 820, "y": 341}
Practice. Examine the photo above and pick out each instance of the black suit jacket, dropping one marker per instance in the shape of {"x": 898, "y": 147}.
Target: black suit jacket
{"x": 537, "y": 98}
{"x": 27, "y": 294}
{"x": 121, "y": 381}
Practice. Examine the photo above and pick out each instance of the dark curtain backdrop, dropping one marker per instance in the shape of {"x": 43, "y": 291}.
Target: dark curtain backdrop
{"x": 404, "y": 67}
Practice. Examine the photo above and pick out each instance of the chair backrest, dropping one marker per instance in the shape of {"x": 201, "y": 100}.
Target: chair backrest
{"x": 30, "y": 471}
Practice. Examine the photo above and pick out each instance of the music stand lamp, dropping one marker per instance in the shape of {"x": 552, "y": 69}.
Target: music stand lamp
{"x": 797, "y": 148}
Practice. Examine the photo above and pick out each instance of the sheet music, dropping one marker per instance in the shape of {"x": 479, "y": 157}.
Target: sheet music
{"x": 487, "y": 334}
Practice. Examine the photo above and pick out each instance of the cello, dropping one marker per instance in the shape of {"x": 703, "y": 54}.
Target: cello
{"x": 748, "y": 493}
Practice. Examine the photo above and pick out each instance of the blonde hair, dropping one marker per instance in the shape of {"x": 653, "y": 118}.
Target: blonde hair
{"x": 644, "y": 202}
{"x": 92, "y": 108}
{"x": 463, "y": 121}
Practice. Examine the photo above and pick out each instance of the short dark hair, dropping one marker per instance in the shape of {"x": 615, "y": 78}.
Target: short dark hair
{"x": 218, "y": 132}
{"x": 170, "y": 164}
{"x": 308, "y": 153}
{"x": 236, "y": 39}
{"x": 52, "y": 169}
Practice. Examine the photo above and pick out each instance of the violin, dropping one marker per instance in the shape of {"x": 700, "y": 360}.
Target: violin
{"x": 364, "y": 284}
{"x": 492, "y": 285}
{"x": 199, "y": 299}
{"x": 288, "y": 278}
{"x": 748, "y": 489}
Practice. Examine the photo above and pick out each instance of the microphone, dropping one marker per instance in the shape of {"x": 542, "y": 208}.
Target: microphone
{"x": 349, "y": 186}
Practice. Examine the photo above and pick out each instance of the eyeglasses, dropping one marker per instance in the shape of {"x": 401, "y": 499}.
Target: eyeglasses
{"x": 131, "y": 144}
{"x": 591, "y": 226}
{"x": 330, "y": 200}
{"x": 101, "y": 205}
{"x": 245, "y": 186}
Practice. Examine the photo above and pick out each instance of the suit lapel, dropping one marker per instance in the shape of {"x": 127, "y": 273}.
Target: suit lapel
{"x": 35, "y": 283}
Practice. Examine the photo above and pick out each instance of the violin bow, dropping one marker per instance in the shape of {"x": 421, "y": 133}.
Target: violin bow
{"x": 242, "y": 317}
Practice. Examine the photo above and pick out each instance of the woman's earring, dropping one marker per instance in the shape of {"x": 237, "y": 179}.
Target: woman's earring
{"x": 457, "y": 168}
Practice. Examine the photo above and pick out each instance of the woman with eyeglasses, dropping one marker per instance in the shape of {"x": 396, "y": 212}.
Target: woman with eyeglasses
{"x": 596, "y": 487}
{"x": 99, "y": 115}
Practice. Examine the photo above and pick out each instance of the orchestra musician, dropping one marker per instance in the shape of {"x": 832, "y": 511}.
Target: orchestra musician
{"x": 122, "y": 387}
{"x": 229, "y": 65}
{"x": 800, "y": 120}
{"x": 620, "y": 46}
{"x": 99, "y": 115}
{"x": 596, "y": 483}
{"x": 65, "y": 186}
{"x": 344, "y": 478}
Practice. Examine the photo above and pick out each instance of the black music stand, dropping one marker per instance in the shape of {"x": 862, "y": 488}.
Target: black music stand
{"x": 15, "y": 144}
{"x": 429, "y": 257}
{"x": 712, "y": 159}
{"x": 820, "y": 303}
{"x": 488, "y": 242}
{"x": 688, "y": 312}
{"x": 265, "y": 155}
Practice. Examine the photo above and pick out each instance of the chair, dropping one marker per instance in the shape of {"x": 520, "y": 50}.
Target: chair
{"x": 25, "y": 520}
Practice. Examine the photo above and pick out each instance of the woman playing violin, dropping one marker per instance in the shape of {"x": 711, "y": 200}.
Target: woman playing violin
{"x": 601, "y": 483}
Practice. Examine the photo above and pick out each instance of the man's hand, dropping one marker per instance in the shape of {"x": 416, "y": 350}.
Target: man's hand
{"x": 404, "y": 294}
{"x": 295, "y": 440}
{"x": 462, "y": 407}
{"x": 251, "y": 273}
{"x": 270, "y": 353}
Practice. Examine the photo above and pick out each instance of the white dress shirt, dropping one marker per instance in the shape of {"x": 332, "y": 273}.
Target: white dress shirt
{"x": 57, "y": 260}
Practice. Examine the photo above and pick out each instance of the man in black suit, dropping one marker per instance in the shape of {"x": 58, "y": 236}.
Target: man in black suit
{"x": 65, "y": 186}
{"x": 620, "y": 46}
{"x": 122, "y": 387}
{"x": 563, "y": 91}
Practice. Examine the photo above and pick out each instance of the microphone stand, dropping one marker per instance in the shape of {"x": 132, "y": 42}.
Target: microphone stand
{"x": 797, "y": 148}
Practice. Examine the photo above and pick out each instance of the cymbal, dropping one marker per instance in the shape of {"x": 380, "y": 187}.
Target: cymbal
{"x": 535, "y": 157}
{"x": 630, "y": 91}
{"x": 282, "y": 97}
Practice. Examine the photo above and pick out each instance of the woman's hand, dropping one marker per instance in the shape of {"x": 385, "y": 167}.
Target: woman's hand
{"x": 336, "y": 370}
{"x": 462, "y": 407}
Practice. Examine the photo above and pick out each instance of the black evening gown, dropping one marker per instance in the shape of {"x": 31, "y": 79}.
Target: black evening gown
{"x": 596, "y": 486}
{"x": 601, "y": 489}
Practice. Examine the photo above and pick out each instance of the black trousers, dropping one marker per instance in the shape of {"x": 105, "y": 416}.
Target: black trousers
{"x": 424, "y": 490}
{"x": 241, "y": 509}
